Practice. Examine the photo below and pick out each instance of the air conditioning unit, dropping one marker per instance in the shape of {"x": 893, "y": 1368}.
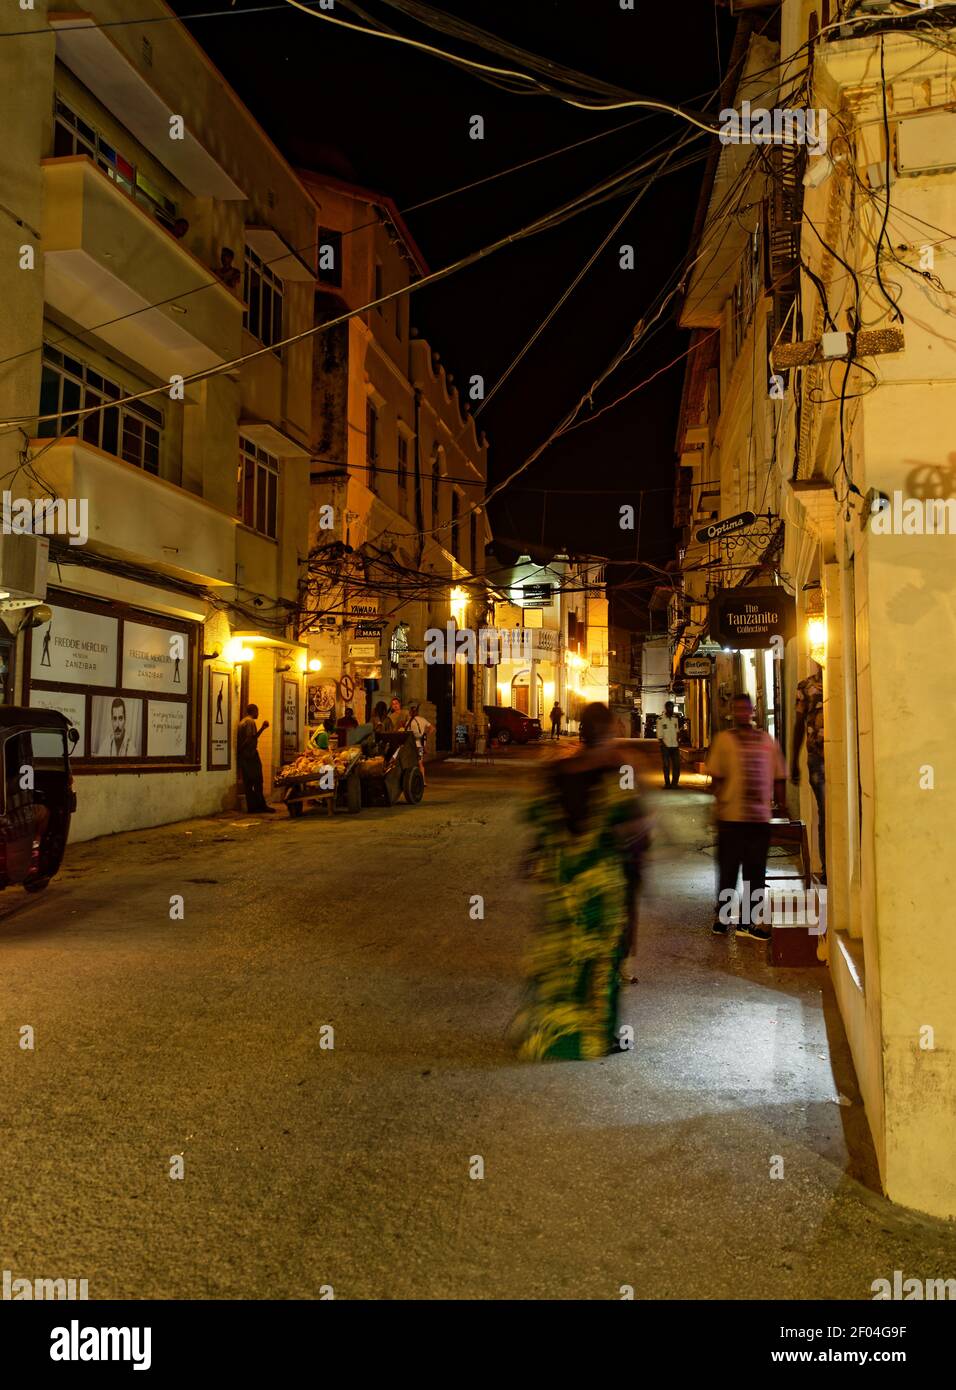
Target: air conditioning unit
{"x": 24, "y": 561}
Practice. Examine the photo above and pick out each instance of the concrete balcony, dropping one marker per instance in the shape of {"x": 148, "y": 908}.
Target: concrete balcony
{"x": 107, "y": 262}
{"x": 132, "y": 515}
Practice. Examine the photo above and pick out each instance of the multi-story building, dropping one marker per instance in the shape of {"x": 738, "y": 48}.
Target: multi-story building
{"x": 397, "y": 476}
{"x": 562, "y": 609}
{"x": 815, "y": 436}
{"x": 152, "y": 233}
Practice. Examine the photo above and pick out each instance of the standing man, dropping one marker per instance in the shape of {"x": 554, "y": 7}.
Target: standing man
{"x": 556, "y": 714}
{"x": 668, "y": 727}
{"x": 748, "y": 774}
{"x": 250, "y": 764}
{"x": 420, "y": 727}
{"x": 394, "y": 720}
{"x": 809, "y": 722}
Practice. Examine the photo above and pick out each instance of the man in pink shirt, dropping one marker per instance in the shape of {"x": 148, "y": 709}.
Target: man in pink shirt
{"x": 748, "y": 775}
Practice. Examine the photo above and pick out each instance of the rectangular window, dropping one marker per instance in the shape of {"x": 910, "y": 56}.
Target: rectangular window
{"x": 257, "y": 488}
{"x": 402, "y": 463}
{"x": 72, "y": 135}
{"x": 330, "y": 256}
{"x": 454, "y": 525}
{"x": 262, "y": 292}
{"x": 132, "y": 431}
{"x": 371, "y": 441}
{"x": 473, "y": 525}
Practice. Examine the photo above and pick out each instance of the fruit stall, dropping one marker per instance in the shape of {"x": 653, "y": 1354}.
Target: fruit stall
{"x": 327, "y": 779}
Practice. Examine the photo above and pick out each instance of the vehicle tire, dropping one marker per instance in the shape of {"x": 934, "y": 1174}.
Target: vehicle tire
{"x": 36, "y": 885}
{"x": 413, "y": 785}
{"x": 294, "y": 808}
{"x": 353, "y": 795}
{"x": 503, "y": 737}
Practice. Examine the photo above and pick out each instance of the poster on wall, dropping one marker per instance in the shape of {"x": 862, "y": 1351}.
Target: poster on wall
{"x": 70, "y": 703}
{"x": 166, "y": 723}
{"x": 155, "y": 658}
{"x": 290, "y": 718}
{"x": 75, "y": 648}
{"x": 321, "y": 701}
{"x": 117, "y": 727}
{"x": 219, "y": 718}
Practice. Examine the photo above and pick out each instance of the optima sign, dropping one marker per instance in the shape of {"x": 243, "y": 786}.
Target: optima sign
{"x": 742, "y": 618}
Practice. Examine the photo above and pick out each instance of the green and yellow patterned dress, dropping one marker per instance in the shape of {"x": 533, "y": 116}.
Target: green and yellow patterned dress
{"x": 574, "y": 958}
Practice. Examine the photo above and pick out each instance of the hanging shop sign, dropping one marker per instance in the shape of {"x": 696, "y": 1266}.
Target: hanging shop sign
{"x": 412, "y": 661}
{"x": 363, "y": 651}
{"x": 361, "y": 609}
{"x": 697, "y": 668}
{"x": 368, "y": 630}
{"x": 539, "y": 594}
{"x": 752, "y": 618}
{"x": 368, "y": 670}
{"x": 718, "y": 529}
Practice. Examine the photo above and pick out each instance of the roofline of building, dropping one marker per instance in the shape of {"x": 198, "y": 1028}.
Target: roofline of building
{"x": 380, "y": 201}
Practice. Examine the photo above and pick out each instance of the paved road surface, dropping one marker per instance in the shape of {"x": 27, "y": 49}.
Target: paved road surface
{"x": 348, "y": 1167}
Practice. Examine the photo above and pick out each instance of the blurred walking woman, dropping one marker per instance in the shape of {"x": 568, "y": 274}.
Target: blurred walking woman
{"x": 588, "y": 838}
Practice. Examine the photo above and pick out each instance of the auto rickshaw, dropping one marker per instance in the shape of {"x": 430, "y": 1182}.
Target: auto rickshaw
{"x": 36, "y": 794}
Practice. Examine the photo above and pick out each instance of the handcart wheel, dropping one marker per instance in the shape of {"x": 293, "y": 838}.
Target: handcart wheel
{"x": 413, "y": 785}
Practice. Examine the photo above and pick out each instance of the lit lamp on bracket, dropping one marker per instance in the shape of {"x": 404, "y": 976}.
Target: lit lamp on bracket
{"x": 459, "y": 604}
{"x": 236, "y": 653}
{"x": 314, "y": 664}
{"x": 816, "y": 626}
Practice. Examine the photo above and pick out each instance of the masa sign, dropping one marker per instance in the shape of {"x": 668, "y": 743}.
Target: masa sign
{"x": 717, "y": 529}
{"x": 751, "y": 618}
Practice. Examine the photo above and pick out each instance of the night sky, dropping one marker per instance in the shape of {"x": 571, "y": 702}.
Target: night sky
{"x": 395, "y": 119}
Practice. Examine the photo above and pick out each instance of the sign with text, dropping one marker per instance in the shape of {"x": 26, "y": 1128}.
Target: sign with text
{"x": 154, "y": 658}
{"x": 290, "y": 718}
{"x": 166, "y": 728}
{"x": 717, "y": 529}
{"x": 697, "y": 668}
{"x": 75, "y": 648}
{"x": 361, "y": 609}
{"x": 69, "y": 702}
{"x": 752, "y": 618}
{"x": 220, "y": 743}
{"x": 537, "y": 593}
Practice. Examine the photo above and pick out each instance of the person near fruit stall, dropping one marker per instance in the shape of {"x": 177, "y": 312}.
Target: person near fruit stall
{"x": 348, "y": 721}
{"x": 250, "y": 764}
{"x": 420, "y": 727}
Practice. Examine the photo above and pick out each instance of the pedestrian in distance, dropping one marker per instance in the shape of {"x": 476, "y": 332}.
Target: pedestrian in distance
{"x": 250, "y": 764}
{"x": 556, "y": 715}
{"x": 420, "y": 727}
{"x": 395, "y": 719}
{"x": 668, "y": 733}
{"x": 587, "y": 827}
{"x": 379, "y": 716}
{"x": 748, "y": 775}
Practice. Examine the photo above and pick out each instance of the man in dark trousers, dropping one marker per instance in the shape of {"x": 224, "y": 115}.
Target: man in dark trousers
{"x": 250, "y": 764}
{"x": 748, "y": 774}
{"x": 668, "y": 729}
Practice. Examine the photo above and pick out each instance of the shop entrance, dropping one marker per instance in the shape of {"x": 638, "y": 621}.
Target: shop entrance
{"x": 439, "y": 690}
{"x": 520, "y": 692}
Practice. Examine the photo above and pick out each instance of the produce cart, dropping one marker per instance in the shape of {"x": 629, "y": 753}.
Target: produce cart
{"x": 308, "y": 778}
{"x": 392, "y": 772}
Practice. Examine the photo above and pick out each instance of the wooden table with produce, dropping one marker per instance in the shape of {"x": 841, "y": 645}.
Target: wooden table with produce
{"x": 309, "y": 776}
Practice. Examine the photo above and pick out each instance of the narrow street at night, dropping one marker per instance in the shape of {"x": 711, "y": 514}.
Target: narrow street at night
{"x": 307, "y": 1166}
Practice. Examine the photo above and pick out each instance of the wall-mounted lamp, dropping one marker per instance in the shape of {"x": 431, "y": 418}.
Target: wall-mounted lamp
{"x": 315, "y": 664}
{"x": 211, "y": 656}
{"x": 235, "y": 653}
{"x": 287, "y": 666}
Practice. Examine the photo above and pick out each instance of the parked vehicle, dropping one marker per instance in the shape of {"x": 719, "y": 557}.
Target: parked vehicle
{"x": 507, "y": 725}
{"x": 36, "y": 794}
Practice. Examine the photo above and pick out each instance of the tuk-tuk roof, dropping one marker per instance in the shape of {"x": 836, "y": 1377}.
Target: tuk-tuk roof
{"x": 26, "y": 717}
